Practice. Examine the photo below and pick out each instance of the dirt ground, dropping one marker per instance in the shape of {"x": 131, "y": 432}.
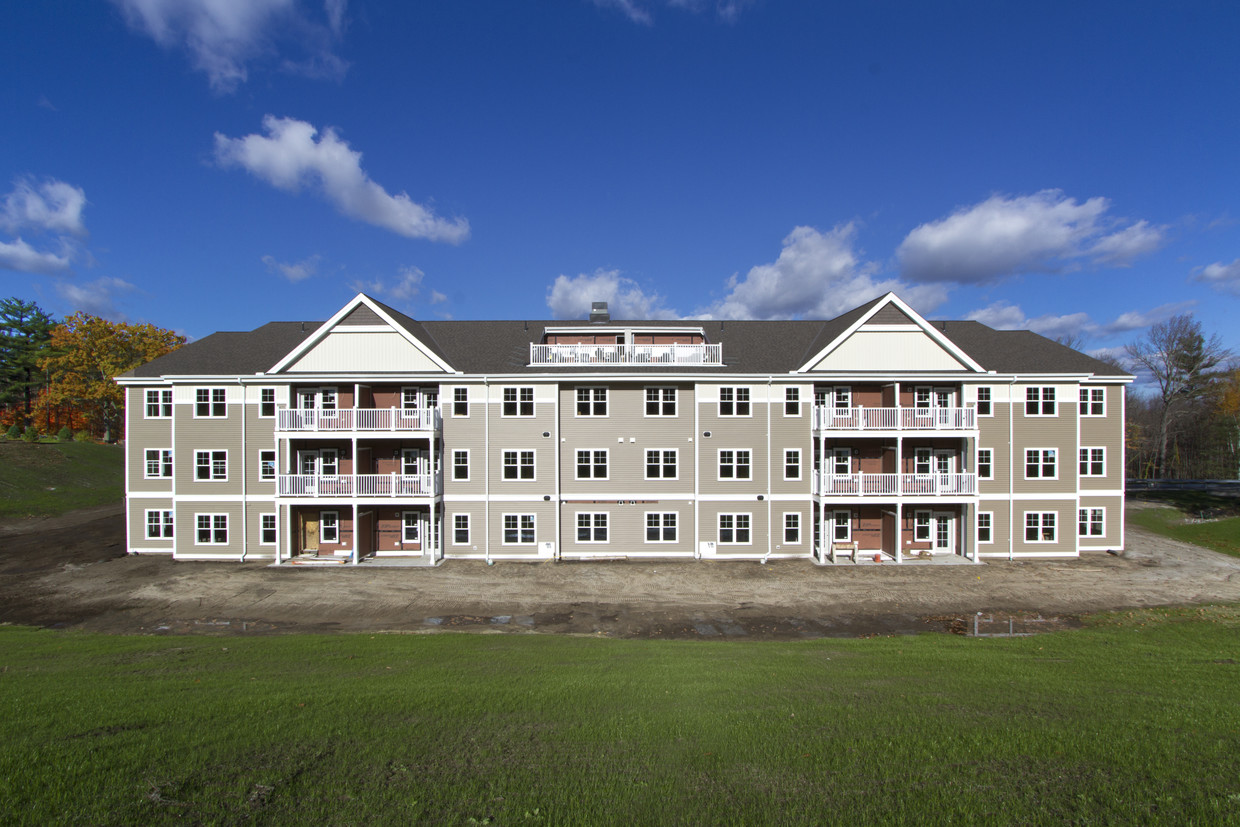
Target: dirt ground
{"x": 72, "y": 572}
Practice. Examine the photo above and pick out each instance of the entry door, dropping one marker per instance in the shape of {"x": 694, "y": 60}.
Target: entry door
{"x": 310, "y": 533}
{"x": 944, "y": 533}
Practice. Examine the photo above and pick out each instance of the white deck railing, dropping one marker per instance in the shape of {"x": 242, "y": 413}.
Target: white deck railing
{"x": 358, "y": 485}
{"x": 827, "y": 418}
{"x": 879, "y": 485}
{"x": 358, "y": 419}
{"x": 603, "y": 355}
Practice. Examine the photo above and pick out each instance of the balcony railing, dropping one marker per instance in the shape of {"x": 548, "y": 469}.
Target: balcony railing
{"x": 302, "y": 420}
{"x": 892, "y": 485}
{"x": 827, "y": 418}
{"x": 358, "y": 485}
{"x": 604, "y": 355}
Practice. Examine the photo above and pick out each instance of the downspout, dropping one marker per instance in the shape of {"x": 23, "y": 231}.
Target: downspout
{"x": 557, "y": 489}
{"x": 129, "y": 500}
{"x": 1011, "y": 468}
{"x": 697, "y": 476}
{"x": 486, "y": 469}
{"x": 770, "y": 528}
{"x": 245, "y": 473}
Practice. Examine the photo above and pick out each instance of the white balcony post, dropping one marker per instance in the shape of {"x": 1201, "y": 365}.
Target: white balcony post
{"x": 392, "y": 489}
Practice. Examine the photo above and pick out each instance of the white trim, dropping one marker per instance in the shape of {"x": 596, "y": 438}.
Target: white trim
{"x": 591, "y": 464}
{"x": 1041, "y": 463}
{"x": 734, "y": 514}
{"x": 1041, "y": 389}
{"x": 468, "y": 529}
{"x": 662, "y": 527}
{"x": 1089, "y": 519}
{"x": 1089, "y": 461}
{"x": 591, "y": 401}
{"x": 593, "y": 515}
{"x": 783, "y": 530}
{"x": 735, "y": 465}
{"x": 213, "y": 529}
{"x": 977, "y": 528}
{"x": 660, "y": 463}
{"x": 749, "y": 401}
{"x": 503, "y": 529}
{"x": 675, "y": 401}
{"x": 800, "y": 466}
{"x": 275, "y": 519}
{"x": 210, "y": 452}
{"x": 1024, "y": 522}
{"x": 503, "y": 464}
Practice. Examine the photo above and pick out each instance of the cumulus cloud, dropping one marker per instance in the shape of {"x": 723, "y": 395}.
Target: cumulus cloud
{"x": 46, "y": 206}
{"x": 570, "y": 298}
{"x": 639, "y": 12}
{"x": 1006, "y": 235}
{"x": 224, "y": 36}
{"x": 1004, "y": 316}
{"x": 20, "y": 256}
{"x": 290, "y": 158}
{"x": 295, "y": 271}
{"x": 1220, "y": 276}
{"x": 97, "y": 297}
{"x": 404, "y": 288}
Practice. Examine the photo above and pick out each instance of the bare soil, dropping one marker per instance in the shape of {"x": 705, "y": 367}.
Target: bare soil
{"x": 72, "y": 572}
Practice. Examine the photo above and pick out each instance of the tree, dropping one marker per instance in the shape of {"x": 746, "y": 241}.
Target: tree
{"x": 1180, "y": 361}
{"x": 87, "y": 352}
{"x": 24, "y": 333}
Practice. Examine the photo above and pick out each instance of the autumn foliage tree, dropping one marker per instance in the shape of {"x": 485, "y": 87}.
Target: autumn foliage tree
{"x": 87, "y": 352}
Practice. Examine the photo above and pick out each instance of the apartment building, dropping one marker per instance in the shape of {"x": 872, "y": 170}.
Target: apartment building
{"x": 874, "y": 435}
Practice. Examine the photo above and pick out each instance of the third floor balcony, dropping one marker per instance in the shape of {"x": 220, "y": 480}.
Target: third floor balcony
{"x": 828, "y": 418}
{"x": 604, "y": 355}
{"x": 369, "y": 420}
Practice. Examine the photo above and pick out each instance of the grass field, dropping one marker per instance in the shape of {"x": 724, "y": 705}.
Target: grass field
{"x": 1204, "y": 519}
{"x": 50, "y": 478}
{"x": 1134, "y": 720}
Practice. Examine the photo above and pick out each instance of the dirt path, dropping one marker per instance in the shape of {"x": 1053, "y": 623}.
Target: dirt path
{"x": 72, "y": 572}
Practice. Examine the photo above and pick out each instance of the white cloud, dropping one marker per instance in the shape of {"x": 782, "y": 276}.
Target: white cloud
{"x": 570, "y": 298}
{"x": 1004, "y": 316}
{"x": 49, "y": 206}
{"x": 20, "y": 256}
{"x": 406, "y": 287}
{"x": 288, "y": 157}
{"x": 224, "y": 36}
{"x": 1139, "y": 320}
{"x": 296, "y": 271}
{"x": 1220, "y": 276}
{"x": 639, "y": 12}
{"x": 1004, "y": 236}
{"x": 97, "y": 297}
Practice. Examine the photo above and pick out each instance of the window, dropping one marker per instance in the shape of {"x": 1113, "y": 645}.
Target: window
{"x": 592, "y": 465}
{"x": 984, "y": 407}
{"x": 267, "y": 529}
{"x": 210, "y": 465}
{"x": 734, "y": 465}
{"x": 734, "y": 529}
{"x": 1093, "y": 462}
{"x": 1091, "y": 522}
{"x": 329, "y": 526}
{"x": 841, "y": 461}
{"x": 792, "y": 401}
{"x": 409, "y": 399}
{"x": 327, "y": 399}
{"x": 1093, "y": 402}
{"x": 792, "y": 463}
{"x": 1039, "y": 526}
{"x": 985, "y": 526}
{"x": 660, "y": 527}
{"x": 592, "y": 528}
{"x": 660, "y": 401}
{"x": 1040, "y": 462}
{"x": 661, "y": 464}
{"x": 460, "y": 465}
{"x": 519, "y": 529}
{"x": 792, "y": 527}
{"x": 266, "y": 465}
{"x": 1040, "y": 402}
{"x": 329, "y": 464}
{"x": 921, "y": 526}
{"x": 518, "y": 402}
{"x": 518, "y": 465}
{"x": 921, "y": 460}
{"x": 985, "y": 464}
{"x": 267, "y": 403}
{"x": 158, "y": 404}
{"x": 460, "y": 402}
{"x": 411, "y": 527}
{"x": 460, "y": 530}
{"x": 210, "y": 403}
{"x": 159, "y": 525}
{"x": 592, "y": 402}
{"x": 158, "y": 463}
{"x": 212, "y": 530}
{"x": 734, "y": 401}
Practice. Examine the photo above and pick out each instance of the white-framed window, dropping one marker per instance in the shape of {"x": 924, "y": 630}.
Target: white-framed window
{"x": 460, "y": 529}
{"x": 518, "y": 465}
{"x": 792, "y": 463}
{"x": 985, "y": 526}
{"x": 266, "y": 529}
{"x": 984, "y": 406}
{"x": 660, "y": 401}
{"x": 592, "y": 464}
{"x": 1093, "y": 402}
{"x": 592, "y": 527}
{"x": 1040, "y": 463}
{"x": 159, "y": 525}
{"x": 922, "y": 525}
{"x": 460, "y": 402}
{"x": 411, "y": 527}
{"x": 267, "y": 465}
{"x": 922, "y": 460}
{"x": 460, "y": 464}
{"x": 660, "y": 526}
{"x": 267, "y": 403}
{"x": 734, "y": 402}
{"x": 1093, "y": 462}
{"x": 410, "y": 399}
{"x": 329, "y": 526}
{"x": 841, "y": 461}
{"x": 661, "y": 464}
{"x": 329, "y": 462}
{"x": 327, "y": 399}
{"x": 210, "y": 466}
{"x": 1040, "y": 402}
{"x": 210, "y": 403}
{"x": 792, "y": 528}
{"x": 734, "y": 530}
{"x": 519, "y": 529}
{"x": 518, "y": 402}
{"x": 734, "y": 464}
{"x": 158, "y": 403}
{"x": 923, "y": 397}
{"x": 1040, "y": 527}
{"x": 592, "y": 401}
{"x": 158, "y": 463}
{"x": 841, "y": 526}
{"x": 1091, "y": 522}
{"x": 212, "y": 530}
{"x": 841, "y": 397}
{"x": 792, "y": 401}
{"x": 985, "y": 464}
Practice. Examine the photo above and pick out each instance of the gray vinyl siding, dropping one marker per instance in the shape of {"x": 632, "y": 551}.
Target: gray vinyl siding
{"x": 144, "y": 434}
{"x": 733, "y": 433}
{"x": 1112, "y": 524}
{"x": 521, "y": 434}
{"x": 137, "y": 523}
{"x": 254, "y": 525}
{"x": 187, "y": 526}
{"x": 1065, "y": 526}
{"x": 545, "y": 527}
{"x": 208, "y": 435}
{"x": 993, "y": 434}
{"x": 791, "y": 432}
{"x": 1106, "y": 432}
{"x": 627, "y": 529}
{"x": 999, "y": 526}
{"x": 1057, "y": 432}
{"x": 477, "y": 528}
{"x": 467, "y": 433}
{"x": 759, "y": 526}
{"x": 259, "y": 436}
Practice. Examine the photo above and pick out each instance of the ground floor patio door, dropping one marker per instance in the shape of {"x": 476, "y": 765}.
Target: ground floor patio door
{"x": 944, "y": 532}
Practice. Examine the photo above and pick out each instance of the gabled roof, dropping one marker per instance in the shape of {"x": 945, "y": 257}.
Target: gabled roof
{"x": 230, "y": 353}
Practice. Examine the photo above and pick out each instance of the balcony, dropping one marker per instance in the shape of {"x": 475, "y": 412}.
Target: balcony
{"x": 827, "y": 418}
{"x": 359, "y": 485}
{"x": 895, "y": 485}
{"x": 619, "y": 355}
{"x": 369, "y": 420}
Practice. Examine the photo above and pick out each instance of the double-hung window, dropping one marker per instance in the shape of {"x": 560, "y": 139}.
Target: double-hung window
{"x": 329, "y": 526}
{"x": 158, "y": 463}
{"x": 985, "y": 526}
{"x": 1091, "y": 522}
{"x": 734, "y": 464}
{"x": 792, "y": 527}
{"x": 921, "y": 526}
{"x": 519, "y": 529}
{"x": 212, "y": 529}
{"x": 1040, "y": 402}
{"x": 518, "y": 402}
{"x": 661, "y": 464}
{"x": 1093, "y": 462}
{"x": 460, "y": 529}
{"x": 210, "y": 403}
{"x": 518, "y": 465}
{"x": 460, "y": 464}
{"x": 210, "y": 465}
{"x": 985, "y": 464}
{"x": 267, "y": 530}
{"x": 591, "y": 401}
{"x": 159, "y": 525}
{"x": 1093, "y": 402}
{"x": 411, "y": 527}
{"x": 734, "y": 402}
{"x": 660, "y": 526}
{"x": 158, "y": 403}
{"x": 984, "y": 405}
{"x": 1040, "y": 463}
{"x": 660, "y": 401}
{"x": 792, "y": 463}
{"x": 792, "y": 401}
{"x": 1040, "y": 527}
{"x": 267, "y": 403}
{"x": 592, "y": 527}
{"x": 841, "y": 526}
{"x": 734, "y": 529}
{"x": 592, "y": 464}
{"x": 266, "y": 465}
{"x": 460, "y": 402}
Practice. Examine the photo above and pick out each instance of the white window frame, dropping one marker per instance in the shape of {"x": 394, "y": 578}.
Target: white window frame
{"x": 1040, "y": 525}
{"x": 792, "y": 402}
{"x": 163, "y": 524}
{"x": 661, "y": 401}
{"x": 216, "y": 400}
{"x": 520, "y": 526}
{"x": 1041, "y": 463}
{"x": 263, "y": 465}
{"x": 988, "y": 463}
{"x": 457, "y": 454}
{"x": 212, "y": 458}
{"x": 460, "y": 522}
{"x": 792, "y": 457}
{"x": 841, "y": 520}
{"x": 263, "y": 402}
{"x": 661, "y": 463}
{"x": 923, "y": 461}
{"x": 215, "y": 524}
{"x": 162, "y": 402}
{"x": 329, "y": 520}
{"x": 163, "y": 463}
{"x": 662, "y": 526}
{"x": 792, "y": 523}
{"x": 989, "y": 517}
{"x": 460, "y": 396}
{"x": 591, "y": 397}
{"x": 1088, "y": 403}
{"x": 988, "y": 401}
{"x": 410, "y": 527}
{"x": 736, "y": 465}
{"x": 734, "y": 402}
{"x": 1089, "y": 512}
{"x": 592, "y": 464}
{"x": 841, "y": 461}
{"x": 518, "y": 402}
{"x": 1086, "y": 462}
{"x": 923, "y": 519}
{"x": 263, "y": 528}
{"x": 1040, "y": 396}
{"x": 735, "y": 528}
{"x": 518, "y": 455}
{"x": 593, "y": 522}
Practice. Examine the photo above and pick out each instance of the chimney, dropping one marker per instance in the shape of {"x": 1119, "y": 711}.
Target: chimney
{"x": 598, "y": 313}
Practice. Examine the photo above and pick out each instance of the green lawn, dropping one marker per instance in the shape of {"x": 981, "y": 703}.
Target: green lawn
{"x": 50, "y": 478}
{"x": 1201, "y": 518}
{"x": 1133, "y": 720}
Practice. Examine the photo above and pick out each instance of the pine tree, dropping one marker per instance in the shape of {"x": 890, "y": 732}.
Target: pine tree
{"x": 25, "y": 330}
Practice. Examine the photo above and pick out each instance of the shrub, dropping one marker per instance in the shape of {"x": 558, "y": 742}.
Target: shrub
{"x": 82, "y": 436}
{"x": 14, "y": 431}
{"x": 30, "y": 434}
{"x": 64, "y": 434}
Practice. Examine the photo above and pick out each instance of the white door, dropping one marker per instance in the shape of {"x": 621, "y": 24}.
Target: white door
{"x": 944, "y": 532}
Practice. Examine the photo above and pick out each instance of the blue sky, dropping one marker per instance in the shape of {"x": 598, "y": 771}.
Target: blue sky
{"x": 216, "y": 164}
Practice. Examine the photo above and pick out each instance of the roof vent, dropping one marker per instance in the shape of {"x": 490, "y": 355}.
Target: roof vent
{"x": 598, "y": 313}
